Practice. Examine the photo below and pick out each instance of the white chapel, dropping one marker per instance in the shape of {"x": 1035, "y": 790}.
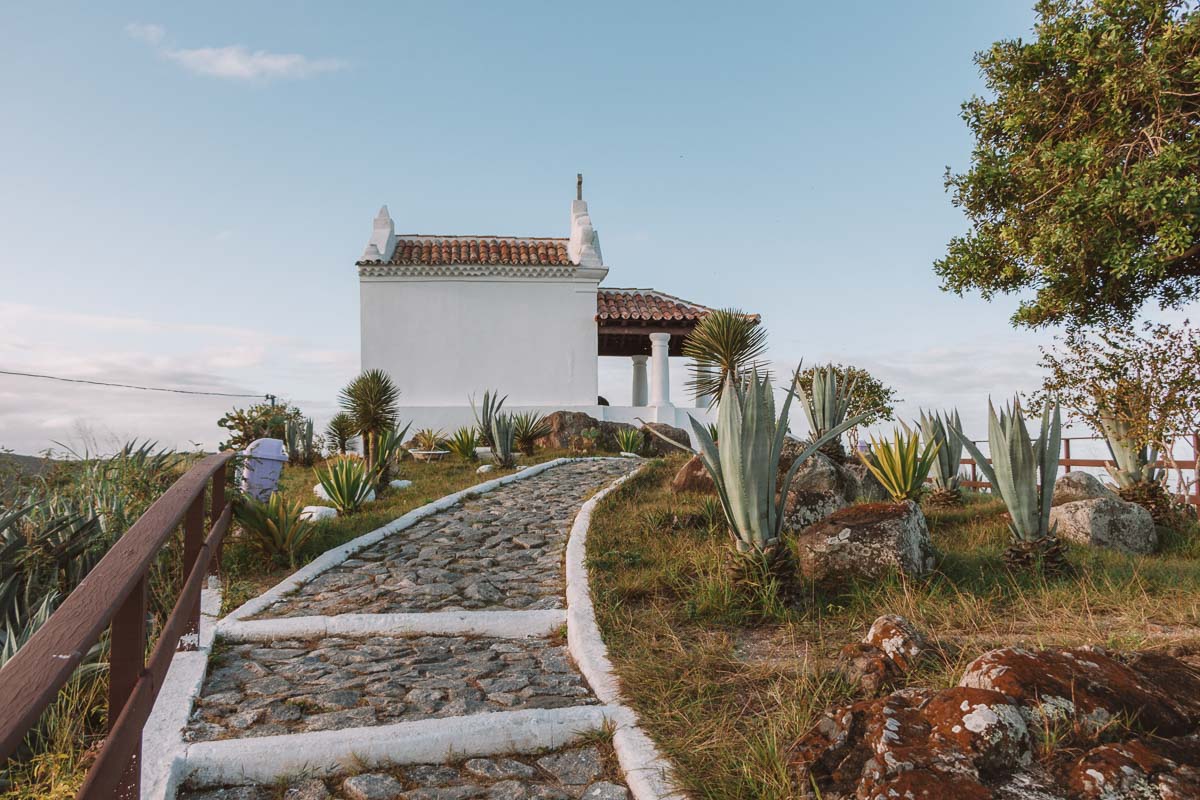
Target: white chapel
{"x": 451, "y": 316}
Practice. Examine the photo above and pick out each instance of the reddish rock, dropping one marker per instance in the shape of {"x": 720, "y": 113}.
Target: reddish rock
{"x": 898, "y": 639}
{"x": 693, "y": 477}
{"x": 889, "y": 650}
{"x": 1138, "y": 768}
{"x": 925, "y": 783}
{"x": 1154, "y": 694}
{"x": 567, "y": 426}
{"x": 985, "y": 725}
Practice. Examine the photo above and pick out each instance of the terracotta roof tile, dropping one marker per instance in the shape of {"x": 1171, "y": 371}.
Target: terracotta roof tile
{"x": 413, "y": 250}
{"x": 645, "y": 305}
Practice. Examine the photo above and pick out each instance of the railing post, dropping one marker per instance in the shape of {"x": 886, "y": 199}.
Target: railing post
{"x": 126, "y": 662}
{"x": 218, "y": 506}
{"x": 1067, "y": 453}
{"x": 1196, "y": 467}
{"x": 193, "y": 540}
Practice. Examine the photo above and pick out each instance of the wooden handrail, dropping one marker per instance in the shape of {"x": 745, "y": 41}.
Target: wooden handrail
{"x": 114, "y": 594}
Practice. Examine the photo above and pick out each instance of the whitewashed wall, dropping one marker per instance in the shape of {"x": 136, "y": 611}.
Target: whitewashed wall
{"x": 444, "y": 339}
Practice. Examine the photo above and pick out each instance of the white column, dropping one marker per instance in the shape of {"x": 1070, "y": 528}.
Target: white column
{"x": 703, "y": 370}
{"x": 660, "y": 370}
{"x": 641, "y": 389}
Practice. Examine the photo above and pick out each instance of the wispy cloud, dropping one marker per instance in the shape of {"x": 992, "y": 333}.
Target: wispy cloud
{"x": 233, "y": 62}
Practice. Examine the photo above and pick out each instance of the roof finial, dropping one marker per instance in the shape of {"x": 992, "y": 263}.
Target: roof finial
{"x": 578, "y": 185}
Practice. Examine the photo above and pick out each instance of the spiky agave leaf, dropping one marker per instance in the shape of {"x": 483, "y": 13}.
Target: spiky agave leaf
{"x": 901, "y": 463}
{"x": 504, "y": 434}
{"x": 347, "y": 483}
{"x": 936, "y": 428}
{"x": 827, "y": 405}
{"x": 463, "y": 443}
{"x": 486, "y": 412}
{"x": 726, "y": 343}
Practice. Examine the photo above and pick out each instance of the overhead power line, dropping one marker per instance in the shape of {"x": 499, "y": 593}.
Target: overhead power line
{"x": 270, "y": 397}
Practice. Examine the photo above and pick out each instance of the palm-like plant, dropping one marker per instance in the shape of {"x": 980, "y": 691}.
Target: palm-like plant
{"x": 347, "y": 484}
{"x": 529, "y": 427}
{"x": 725, "y": 345}
{"x": 504, "y": 433}
{"x": 371, "y": 400}
{"x": 827, "y": 405}
{"x": 485, "y": 412}
{"x": 1023, "y": 471}
{"x": 463, "y": 443}
{"x": 935, "y": 429}
{"x": 274, "y": 527}
{"x": 340, "y": 433}
{"x": 746, "y": 465}
{"x": 901, "y": 463}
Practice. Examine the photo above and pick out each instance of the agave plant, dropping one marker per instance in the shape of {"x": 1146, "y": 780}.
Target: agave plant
{"x": 901, "y": 463}
{"x": 935, "y": 429}
{"x": 275, "y": 528}
{"x": 529, "y": 427}
{"x": 347, "y": 483}
{"x": 429, "y": 439}
{"x": 390, "y": 449}
{"x": 463, "y": 443}
{"x": 371, "y": 400}
{"x": 298, "y": 436}
{"x": 341, "y": 434}
{"x": 1023, "y": 472}
{"x": 827, "y": 405}
{"x": 725, "y": 344}
{"x": 629, "y": 440}
{"x": 486, "y": 412}
{"x": 745, "y": 467}
{"x": 504, "y": 434}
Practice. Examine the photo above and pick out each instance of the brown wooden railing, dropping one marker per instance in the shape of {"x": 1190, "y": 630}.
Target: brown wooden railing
{"x": 1068, "y": 462}
{"x": 113, "y": 595}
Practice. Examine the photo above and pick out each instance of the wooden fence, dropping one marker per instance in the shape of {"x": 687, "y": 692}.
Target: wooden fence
{"x": 113, "y": 596}
{"x": 1067, "y": 462}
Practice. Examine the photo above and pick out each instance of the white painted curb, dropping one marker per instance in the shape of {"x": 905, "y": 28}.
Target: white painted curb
{"x": 501, "y": 624}
{"x": 334, "y": 557}
{"x": 646, "y": 770}
{"x": 162, "y": 737}
{"x": 264, "y": 759}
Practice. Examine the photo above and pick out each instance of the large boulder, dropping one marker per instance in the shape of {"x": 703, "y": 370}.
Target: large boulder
{"x": 866, "y": 541}
{"x": 978, "y": 740}
{"x": 568, "y": 425}
{"x": 1075, "y": 486}
{"x": 693, "y": 477}
{"x": 1106, "y": 522}
{"x": 657, "y": 447}
{"x": 867, "y": 489}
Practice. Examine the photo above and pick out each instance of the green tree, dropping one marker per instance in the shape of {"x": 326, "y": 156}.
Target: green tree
{"x": 1083, "y": 184}
{"x": 372, "y": 401}
{"x": 870, "y": 398}
{"x": 259, "y": 421}
{"x": 725, "y": 344}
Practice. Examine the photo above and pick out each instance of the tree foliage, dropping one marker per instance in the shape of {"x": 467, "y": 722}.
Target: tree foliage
{"x": 870, "y": 397}
{"x": 1145, "y": 384}
{"x": 372, "y": 401}
{"x": 259, "y": 421}
{"x": 726, "y": 344}
{"x": 1083, "y": 184}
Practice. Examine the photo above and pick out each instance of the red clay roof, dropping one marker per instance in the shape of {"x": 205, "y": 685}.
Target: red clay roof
{"x": 517, "y": 251}
{"x": 645, "y": 305}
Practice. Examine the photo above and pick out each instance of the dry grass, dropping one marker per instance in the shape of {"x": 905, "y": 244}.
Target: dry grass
{"x": 727, "y": 679}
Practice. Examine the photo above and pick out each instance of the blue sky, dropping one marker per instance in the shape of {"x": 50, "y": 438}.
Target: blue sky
{"x": 186, "y": 188}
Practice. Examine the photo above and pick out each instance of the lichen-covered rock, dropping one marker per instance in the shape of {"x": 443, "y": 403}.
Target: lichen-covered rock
{"x": 889, "y": 650}
{"x": 868, "y": 489}
{"x": 1153, "y": 693}
{"x": 806, "y": 508}
{"x": 657, "y": 447}
{"x": 1162, "y": 769}
{"x": 866, "y": 541}
{"x": 693, "y": 477}
{"x": 898, "y": 640}
{"x": 566, "y": 426}
{"x": 1106, "y": 522}
{"x": 1075, "y": 486}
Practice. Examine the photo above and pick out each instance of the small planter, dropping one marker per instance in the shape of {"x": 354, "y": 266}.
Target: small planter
{"x": 429, "y": 455}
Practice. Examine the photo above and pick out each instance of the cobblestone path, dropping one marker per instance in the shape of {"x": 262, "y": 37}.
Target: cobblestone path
{"x": 502, "y": 550}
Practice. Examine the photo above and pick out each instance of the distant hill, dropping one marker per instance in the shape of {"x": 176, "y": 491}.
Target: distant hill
{"x": 26, "y": 466}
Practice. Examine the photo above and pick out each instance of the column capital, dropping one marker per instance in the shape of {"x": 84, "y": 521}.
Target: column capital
{"x": 660, "y": 339}
{"x": 639, "y": 359}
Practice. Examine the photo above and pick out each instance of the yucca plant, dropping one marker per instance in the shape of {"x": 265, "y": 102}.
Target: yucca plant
{"x": 827, "y": 406}
{"x": 275, "y": 528}
{"x": 486, "y": 412}
{"x": 745, "y": 467}
{"x": 713, "y": 432}
{"x": 298, "y": 436}
{"x": 504, "y": 434}
{"x": 429, "y": 439}
{"x": 629, "y": 440}
{"x": 529, "y": 427}
{"x": 1023, "y": 472}
{"x": 902, "y": 463}
{"x": 372, "y": 401}
{"x": 726, "y": 343}
{"x": 935, "y": 429}
{"x": 340, "y": 433}
{"x": 347, "y": 483}
{"x": 389, "y": 451}
{"x": 463, "y": 443}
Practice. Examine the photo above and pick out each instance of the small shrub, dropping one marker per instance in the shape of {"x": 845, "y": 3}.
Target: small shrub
{"x": 429, "y": 439}
{"x": 529, "y": 427}
{"x": 347, "y": 483}
{"x": 629, "y": 440}
{"x": 463, "y": 444}
{"x": 341, "y": 433}
{"x": 275, "y": 529}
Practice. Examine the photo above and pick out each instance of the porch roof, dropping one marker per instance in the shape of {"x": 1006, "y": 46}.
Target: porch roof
{"x": 625, "y": 318}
